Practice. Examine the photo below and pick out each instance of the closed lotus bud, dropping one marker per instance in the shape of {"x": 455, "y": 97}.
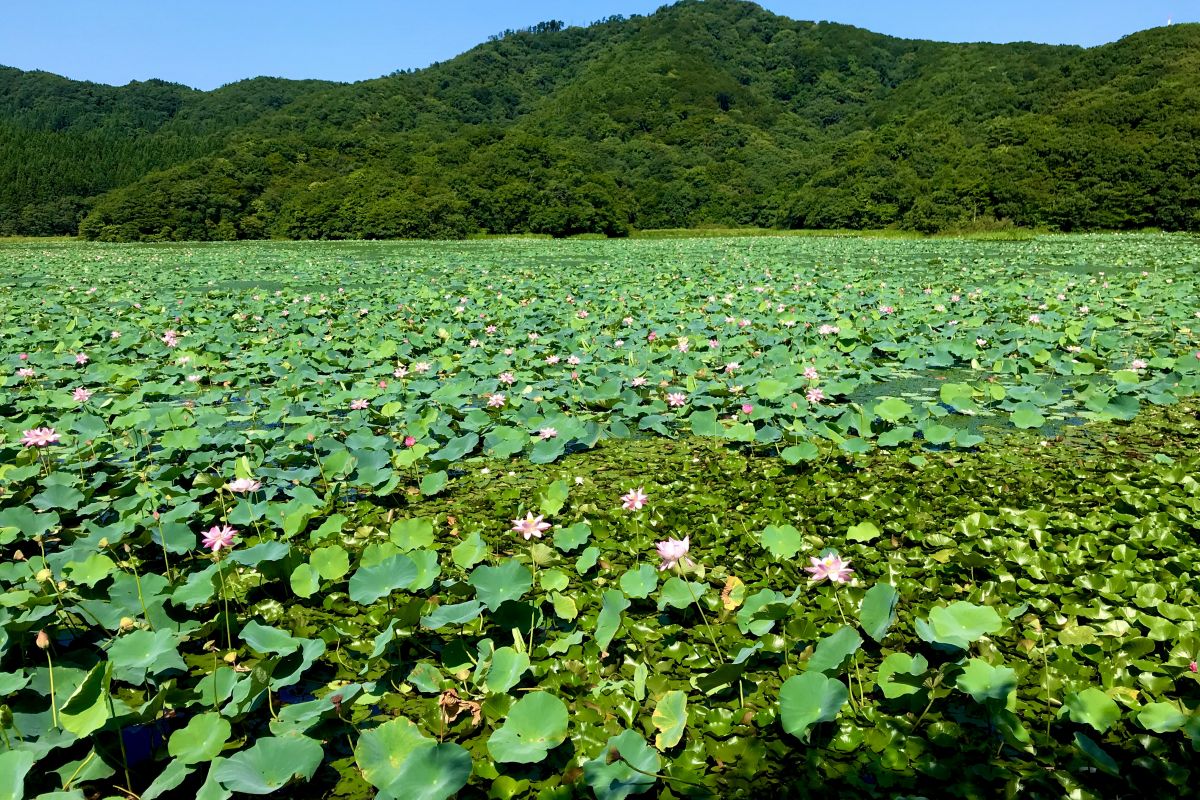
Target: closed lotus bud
{"x": 62, "y": 586}
{"x": 127, "y": 623}
{"x": 44, "y": 575}
{"x": 18, "y": 556}
{"x": 42, "y": 640}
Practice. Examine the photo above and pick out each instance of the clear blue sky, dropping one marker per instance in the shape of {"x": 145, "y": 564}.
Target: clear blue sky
{"x": 213, "y": 42}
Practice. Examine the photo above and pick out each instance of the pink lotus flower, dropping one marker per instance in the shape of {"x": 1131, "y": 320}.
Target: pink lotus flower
{"x": 400, "y": 372}
{"x": 828, "y": 330}
{"x": 548, "y": 433}
{"x": 39, "y": 437}
{"x": 23, "y": 357}
{"x": 743, "y": 323}
{"x": 359, "y": 405}
{"x": 981, "y": 342}
{"x": 714, "y": 344}
{"x": 551, "y": 360}
{"x": 219, "y": 536}
{"x": 638, "y": 381}
{"x": 886, "y": 310}
{"x": 1138, "y": 363}
{"x": 26, "y": 372}
{"x": 81, "y": 395}
{"x": 573, "y": 360}
{"x": 650, "y": 337}
{"x": 732, "y": 367}
{"x": 1192, "y": 666}
{"x": 747, "y": 408}
{"x": 832, "y": 567}
{"x": 811, "y": 373}
{"x": 420, "y": 367}
{"x": 496, "y": 400}
{"x": 1035, "y": 318}
{"x": 676, "y": 399}
{"x": 682, "y": 344}
{"x": 170, "y": 338}
{"x": 814, "y": 395}
{"x": 409, "y": 441}
{"x": 490, "y": 329}
{"x": 243, "y": 485}
{"x": 530, "y": 527}
{"x": 507, "y": 378}
{"x": 672, "y": 552}
{"x": 634, "y": 500}
{"x": 81, "y": 358}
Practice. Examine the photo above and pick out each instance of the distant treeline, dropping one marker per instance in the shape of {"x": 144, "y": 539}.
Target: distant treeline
{"x": 702, "y": 114}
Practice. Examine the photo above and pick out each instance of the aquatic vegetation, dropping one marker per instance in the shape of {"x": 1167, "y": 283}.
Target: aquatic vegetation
{"x": 290, "y": 542}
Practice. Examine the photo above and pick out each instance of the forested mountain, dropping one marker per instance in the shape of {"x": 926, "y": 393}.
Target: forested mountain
{"x": 706, "y": 112}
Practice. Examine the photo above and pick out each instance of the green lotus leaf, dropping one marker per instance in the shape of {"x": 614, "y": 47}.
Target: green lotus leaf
{"x": 958, "y": 624}
{"x": 878, "y": 610}
{"x": 270, "y": 764}
{"x": 633, "y": 773}
{"x": 403, "y": 764}
{"x": 535, "y": 724}
{"x": 808, "y": 699}
{"x": 1093, "y": 707}
{"x": 782, "y": 541}
{"x": 670, "y": 719}
{"x": 201, "y": 740}
{"x": 495, "y": 585}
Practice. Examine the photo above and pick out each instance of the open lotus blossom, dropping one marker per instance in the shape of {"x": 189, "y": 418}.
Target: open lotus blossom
{"x": 507, "y": 378}
{"x": 219, "y": 536}
{"x": 170, "y": 338}
{"x": 531, "y": 527}
{"x": 828, "y": 330}
{"x": 886, "y": 309}
{"x": 399, "y": 372}
{"x": 814, "y": 395}
{"x": 420, "y": 367}
{"x": 39, "y": 437}
{"x": 634, "y": 500}
{"x": 638, "y": 381}
{"x": 81, "y": 358}
{"x": 1138, "y": 363}
{"x": 243, "y": 485}
{"x": 359, "y": 405}
{"x": 496, "y": 400}
{"x": 673, "y": 552}
{"x": 676, "y": 399}
{"x": 81, "y": 395}
{"x": 810, "y": 373}
{"x": 832, "y": 567}
{"x": 26, "y": 372}
{"x": 981, "y": 342}
{"x": 573, "y": 360}
{"x": 548, "y": 433}
{"x": 551, "y": 360}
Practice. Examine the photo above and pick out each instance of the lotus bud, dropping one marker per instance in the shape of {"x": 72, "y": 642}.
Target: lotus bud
{"x": 44, "y": 575}
{"x": 18, "y": 556}
{"x": 42, "y": 640}
{"x": 62, "y": 586}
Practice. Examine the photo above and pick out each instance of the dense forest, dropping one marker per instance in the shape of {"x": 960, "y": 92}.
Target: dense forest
{"x": 712, "y": 112}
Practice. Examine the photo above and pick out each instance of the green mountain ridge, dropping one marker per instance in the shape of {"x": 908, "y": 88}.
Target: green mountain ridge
{"x": 708, "y": 112}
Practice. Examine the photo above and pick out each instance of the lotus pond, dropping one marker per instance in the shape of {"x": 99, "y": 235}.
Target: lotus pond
{"x": 680, "y": 518}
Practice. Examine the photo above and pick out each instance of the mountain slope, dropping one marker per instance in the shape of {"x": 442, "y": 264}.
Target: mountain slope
{"x": 713, "y": 112}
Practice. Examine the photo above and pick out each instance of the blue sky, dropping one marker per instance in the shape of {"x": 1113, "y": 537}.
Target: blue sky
{"x": 208, "y": 44}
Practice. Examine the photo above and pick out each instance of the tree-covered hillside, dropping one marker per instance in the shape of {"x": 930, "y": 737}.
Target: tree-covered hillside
{"x": 713, "y": 112}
